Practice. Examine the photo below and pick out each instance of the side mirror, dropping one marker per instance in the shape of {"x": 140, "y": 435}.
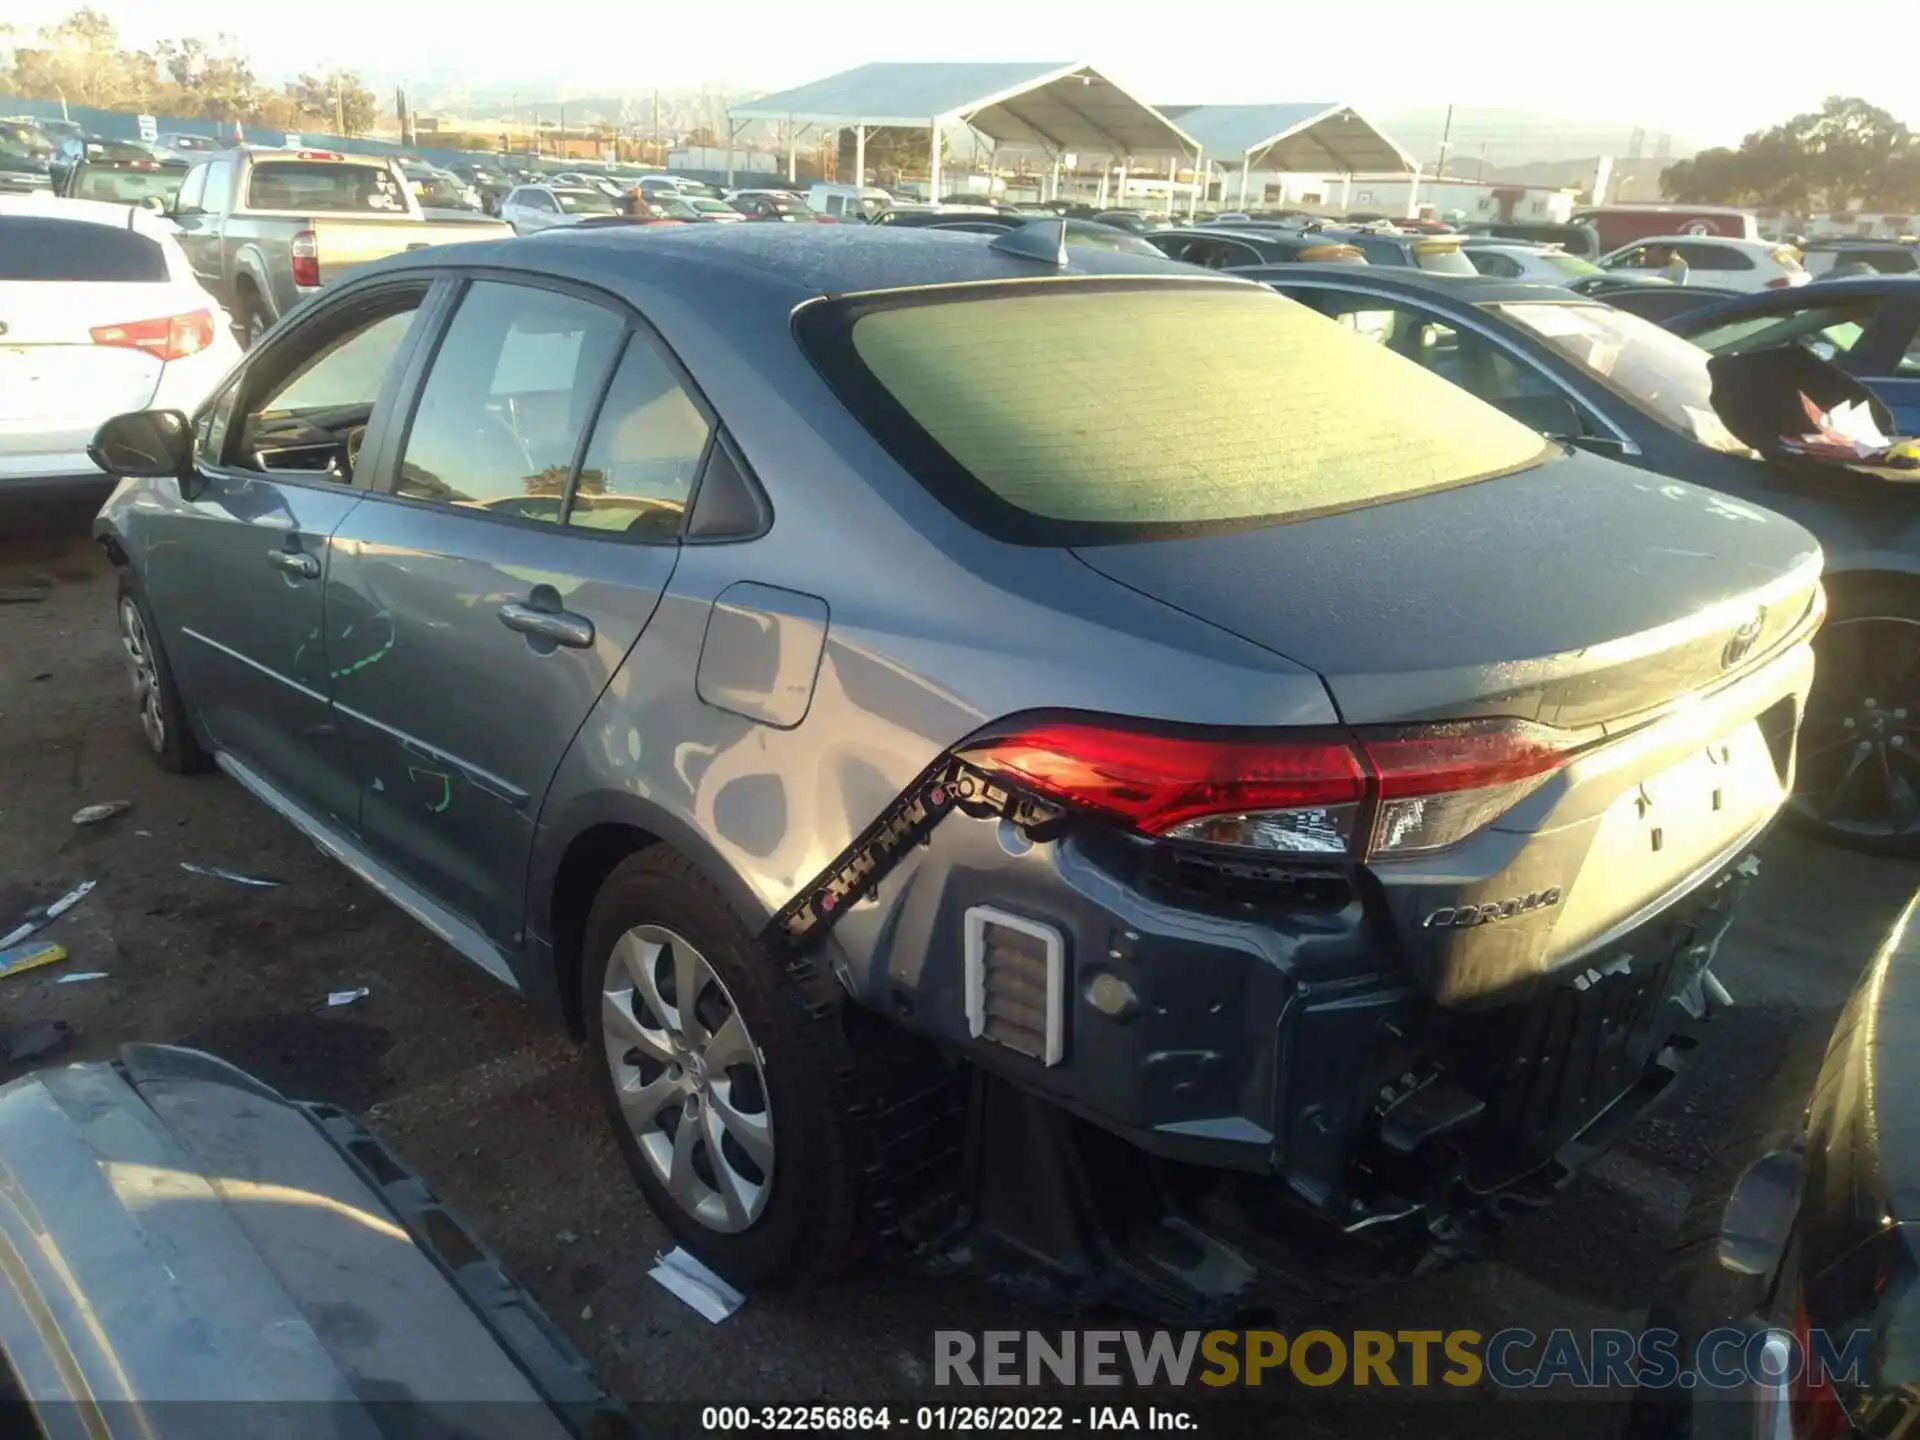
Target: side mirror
{"x": 145, "y": 444}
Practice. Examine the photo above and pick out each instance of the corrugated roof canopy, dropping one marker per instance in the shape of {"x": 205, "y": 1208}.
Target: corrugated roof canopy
{"x": 1055, "y": 107}
{"x": 1312, "y": 139}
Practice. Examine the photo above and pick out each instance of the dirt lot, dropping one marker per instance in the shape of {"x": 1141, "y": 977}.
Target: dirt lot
{"x": 493, "y": 1108}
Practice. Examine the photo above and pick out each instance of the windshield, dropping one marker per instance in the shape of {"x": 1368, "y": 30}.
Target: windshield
{"x": 441, "y": 192}
{"x": 672, "y": 206}
{"x": 326, "y": 186}
{"x": 128, "y": 187}
{"x": 1572, "y": 265}
{"x": 1110, "y": 438}
{"x": 1656, "y": 371}
{"x": 713, "y": 207}
{"x": 583, "y": 202}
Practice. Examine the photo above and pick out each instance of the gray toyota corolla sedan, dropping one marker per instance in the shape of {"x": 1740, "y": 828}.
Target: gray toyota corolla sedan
{"x": 832, "y": 665}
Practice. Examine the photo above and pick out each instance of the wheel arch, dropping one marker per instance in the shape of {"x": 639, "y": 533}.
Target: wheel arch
{"x": 574, "y": 852}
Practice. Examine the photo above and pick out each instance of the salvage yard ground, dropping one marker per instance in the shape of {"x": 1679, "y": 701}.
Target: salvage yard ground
{"x": 494, "y": 1110}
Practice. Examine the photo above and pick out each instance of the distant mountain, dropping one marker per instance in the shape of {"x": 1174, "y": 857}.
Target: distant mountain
{"x": 1517, "y": 141}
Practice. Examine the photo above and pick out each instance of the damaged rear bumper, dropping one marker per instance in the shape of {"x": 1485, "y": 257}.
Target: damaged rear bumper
{"x": 1257, "y": 1020}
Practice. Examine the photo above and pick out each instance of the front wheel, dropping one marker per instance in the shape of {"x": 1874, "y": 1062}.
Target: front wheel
{"x": 163, "y": 721}
{"x": 1858, "y": 773}
{"x": 720, "y": 1076}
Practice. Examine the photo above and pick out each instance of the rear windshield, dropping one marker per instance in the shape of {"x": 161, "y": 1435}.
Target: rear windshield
{"x": 584, "y": 202}
{"x": 324, "y": 186}
{"x": 128, "y": 187}
{"x": 1073, "y": 413}
{"x": 34, "y": 248}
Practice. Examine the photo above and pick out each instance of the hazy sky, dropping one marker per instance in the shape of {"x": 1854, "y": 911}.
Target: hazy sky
{"x": 1707, "y": 69}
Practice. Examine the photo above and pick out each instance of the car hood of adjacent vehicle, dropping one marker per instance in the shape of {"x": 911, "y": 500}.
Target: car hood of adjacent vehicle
{"x": 1575, "y": 592}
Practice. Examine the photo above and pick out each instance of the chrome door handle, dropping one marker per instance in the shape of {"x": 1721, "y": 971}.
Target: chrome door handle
{"x": 295, "y": 562}
{"x": 559, "y": 626}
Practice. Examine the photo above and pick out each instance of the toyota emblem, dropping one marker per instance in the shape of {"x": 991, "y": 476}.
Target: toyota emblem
{"x": 1742, "y": 641}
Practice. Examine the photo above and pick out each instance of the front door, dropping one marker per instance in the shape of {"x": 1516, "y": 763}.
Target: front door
{"x": 517, "y": 550}
{"x": 239, "y": 569}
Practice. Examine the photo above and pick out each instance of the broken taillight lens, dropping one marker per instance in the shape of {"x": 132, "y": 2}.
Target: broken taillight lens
{"x": 1385, "y": 793}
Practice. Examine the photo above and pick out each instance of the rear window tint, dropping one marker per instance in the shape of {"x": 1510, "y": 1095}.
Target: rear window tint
{"x": 35, "y": 248}
{"x": 324, "y": 185}
{"x": 1070, "y": 413}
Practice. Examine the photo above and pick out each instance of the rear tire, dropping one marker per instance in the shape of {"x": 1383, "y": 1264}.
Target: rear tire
{"x": 162, "y": 717}
{"x": 1857, "y": 775}
{"x": 777, "y": 1206}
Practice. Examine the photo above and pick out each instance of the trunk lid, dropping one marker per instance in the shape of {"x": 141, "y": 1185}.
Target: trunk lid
{"x": 52, "y": 374}
{"x": 1581, "y": 592}
{"x": 1662, "y": 623}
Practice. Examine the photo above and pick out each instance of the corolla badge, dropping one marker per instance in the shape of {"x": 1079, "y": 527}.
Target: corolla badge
{"x": 1742, "y": 641}
{"x": 1463, "y": 917}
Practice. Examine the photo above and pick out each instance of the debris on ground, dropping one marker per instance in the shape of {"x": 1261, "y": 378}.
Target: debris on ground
{"x": 347, "y": 997}
{"x": 106, "y": 810}
{"x": 233, "y": 877}
{"x": 81, "y": 977}
{"x": 566, "y": 1237}
{"x": 29, "y": 1043}
{"x": 44, "y": 675}
{"x": 45, "y": 914}
{"x": 20, "y": 597}
{"x": 30, "y": 957}
{"x": 704, "y": 1291}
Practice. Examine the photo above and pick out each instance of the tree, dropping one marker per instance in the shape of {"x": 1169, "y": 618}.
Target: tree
{"x": 1845, "y": 152}
{"x": 340, "y": 100}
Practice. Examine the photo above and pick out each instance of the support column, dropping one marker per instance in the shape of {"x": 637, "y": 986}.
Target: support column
{"x": 1346, "y": 193}
{"x": 1246, "y": 164}
{"x": 1413, "y": 194}
{"x": 860, "y": 156}
{"x": 793, "y": 162}
{"x": 933, "y": 184}
{"x": 1193, "y": 198}
{"x": 1120, "y": 200}
{"x": 733, "y": 133}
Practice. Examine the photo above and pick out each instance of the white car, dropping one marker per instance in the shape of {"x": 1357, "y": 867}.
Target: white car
{"x": 1546, "y": 264}
{"x": 99, "y": 314}
{"x": 1710, "y": 260}
{"x": 533, "y": 208}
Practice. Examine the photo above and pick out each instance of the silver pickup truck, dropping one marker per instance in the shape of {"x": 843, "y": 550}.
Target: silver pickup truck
{"x": 267, "y": 228}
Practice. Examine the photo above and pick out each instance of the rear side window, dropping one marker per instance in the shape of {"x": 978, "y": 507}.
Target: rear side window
{"x": 1111, "y": 438}
{"x": 1715, "y": 257}
{"x": 324, "y": 185}
{"x": 37, "y": 248}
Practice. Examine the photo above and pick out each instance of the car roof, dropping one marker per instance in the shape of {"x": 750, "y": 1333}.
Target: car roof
{"x": 796, "y": 263}
{"x": 1737, "y": 242}
{"x": 1467, "y": 289}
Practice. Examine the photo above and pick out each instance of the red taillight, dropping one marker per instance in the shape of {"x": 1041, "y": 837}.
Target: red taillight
{"x": 1415, "y": 790}
{"x": 1816, "y": 1410}
{"x": 171, "y": 337}
{"x": 318, "y": 155}
{"x": 306, "y": 259}
{"x": 1780, "y": 282}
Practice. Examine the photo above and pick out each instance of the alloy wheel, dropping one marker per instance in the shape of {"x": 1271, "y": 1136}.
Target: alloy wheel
{"x": 146, "y": 681}
{"x": 1859, "y": 773}
{"x": 689, "y": 1078}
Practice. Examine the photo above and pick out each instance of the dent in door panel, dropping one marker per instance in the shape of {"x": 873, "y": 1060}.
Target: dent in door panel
{"x": 762, "y": 653}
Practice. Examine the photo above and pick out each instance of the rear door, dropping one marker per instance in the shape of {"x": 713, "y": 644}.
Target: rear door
{"x": 238, "y": 570}
{"x": 518, "y": 549}
{"x": 70, "y": 291}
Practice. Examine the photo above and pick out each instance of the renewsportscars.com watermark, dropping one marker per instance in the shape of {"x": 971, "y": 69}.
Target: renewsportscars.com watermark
{"x": 1510, "y": 1359}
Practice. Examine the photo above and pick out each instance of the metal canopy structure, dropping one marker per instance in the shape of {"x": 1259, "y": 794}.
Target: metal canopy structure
{"x": 1058, "y": 108}
{"x": 1309, "y": 139}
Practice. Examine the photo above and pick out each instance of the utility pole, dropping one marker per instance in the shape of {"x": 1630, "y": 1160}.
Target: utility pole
{"x": 339, "y": 103}
{"x": 1446, "y": 143}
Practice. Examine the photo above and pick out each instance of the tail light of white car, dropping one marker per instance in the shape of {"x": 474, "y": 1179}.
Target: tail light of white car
{"x": 305, "y": 249}
{"x": 169, "y": 337}
{"x": 1380, "y": 793}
